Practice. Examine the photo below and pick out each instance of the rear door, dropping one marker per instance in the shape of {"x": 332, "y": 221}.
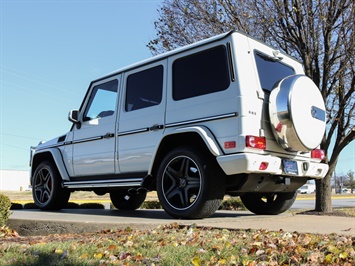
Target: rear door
{"x": 142, "y": 116}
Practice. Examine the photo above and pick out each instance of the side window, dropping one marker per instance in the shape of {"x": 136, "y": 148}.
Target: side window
{"x": 202, "y": 73}
{"x": 144, "y": 88}
{"x": 102, "y": 102}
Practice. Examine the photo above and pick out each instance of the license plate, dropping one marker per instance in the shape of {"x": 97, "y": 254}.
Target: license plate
{"x": 290, "y": 167}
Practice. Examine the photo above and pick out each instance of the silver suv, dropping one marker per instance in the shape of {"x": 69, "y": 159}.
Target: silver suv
{"x": 226, "y": 115}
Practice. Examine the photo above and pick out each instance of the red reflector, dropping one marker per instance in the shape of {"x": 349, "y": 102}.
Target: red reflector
{"x": 263, "y": 166}
{"x": 318, "y": 154}
{"x": 230, "y": 145}
{"x": 255, "y": 142}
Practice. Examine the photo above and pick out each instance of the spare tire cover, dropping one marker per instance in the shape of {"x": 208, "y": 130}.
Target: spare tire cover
{"x": 297, "y": 113}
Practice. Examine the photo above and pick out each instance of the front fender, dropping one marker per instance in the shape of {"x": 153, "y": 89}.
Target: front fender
{"x": 54, "y": 155}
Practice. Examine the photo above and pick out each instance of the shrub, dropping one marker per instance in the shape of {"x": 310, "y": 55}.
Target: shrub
{"x": 5, "y": 205}
{"x": 152, "y": 204}
{"x": 91, "y": 206}
{"x": 72, "y": 205}
{"x": 16, "y": 206}
{"x": 232, "y": 204}
{"x": 30, "y": 205}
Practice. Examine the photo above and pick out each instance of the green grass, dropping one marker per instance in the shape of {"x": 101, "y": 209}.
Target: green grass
{"x": 175, "y": 245}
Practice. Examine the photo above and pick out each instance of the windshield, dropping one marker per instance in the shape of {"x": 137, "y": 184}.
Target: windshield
{"x": 271, "y": 70}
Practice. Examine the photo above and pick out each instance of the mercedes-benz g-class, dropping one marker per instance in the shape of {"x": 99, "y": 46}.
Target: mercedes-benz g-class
{"x": 226, "y": 115}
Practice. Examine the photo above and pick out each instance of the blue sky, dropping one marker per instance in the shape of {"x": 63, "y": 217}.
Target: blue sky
{"x": 49, "y": 53}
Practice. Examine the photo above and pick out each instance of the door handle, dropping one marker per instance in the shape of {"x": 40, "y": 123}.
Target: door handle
{"x": 155, "y": 127}
{"x": 108, "y": 135}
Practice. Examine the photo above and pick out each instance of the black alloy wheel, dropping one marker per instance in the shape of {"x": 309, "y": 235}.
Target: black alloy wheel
{"x": 189, "y": 184}
{"x": 47, "y": 190}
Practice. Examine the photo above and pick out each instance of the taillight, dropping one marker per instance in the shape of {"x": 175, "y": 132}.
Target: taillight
{"x": 318, "y": 154}
{"x": 255, "y": 142}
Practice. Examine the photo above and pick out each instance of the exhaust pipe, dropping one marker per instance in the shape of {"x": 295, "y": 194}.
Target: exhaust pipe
{"x": 142, "y": 190}
{"x": 134, "y": 191}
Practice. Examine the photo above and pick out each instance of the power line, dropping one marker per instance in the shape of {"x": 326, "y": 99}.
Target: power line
{"x": 18, "y": 136}
{"x": 22, "y": 75}
{"x": 16, "y": 147}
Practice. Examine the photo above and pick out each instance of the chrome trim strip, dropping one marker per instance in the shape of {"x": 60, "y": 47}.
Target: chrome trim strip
{"x": 134, "y": 131}
{"x": 75, "y": 142}
{"x": 141, "y": 130}
{"x": 187, "y": 122}
{"x": 87, "y": 139}
{"x": 128, "y": 184}
{"x": 104, "y": 183}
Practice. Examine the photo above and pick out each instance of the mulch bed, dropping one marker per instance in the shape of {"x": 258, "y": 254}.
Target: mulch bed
{"x": 333, "y": 213}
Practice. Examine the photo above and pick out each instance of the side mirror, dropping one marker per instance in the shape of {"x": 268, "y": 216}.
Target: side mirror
{"x": 73, "y": 116}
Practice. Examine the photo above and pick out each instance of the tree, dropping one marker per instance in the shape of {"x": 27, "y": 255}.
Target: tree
{"x": 351, "y": 179}
{"x": 319, "y": 33}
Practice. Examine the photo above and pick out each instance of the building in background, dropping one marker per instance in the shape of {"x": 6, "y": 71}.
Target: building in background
{"x": 14, "y": 180}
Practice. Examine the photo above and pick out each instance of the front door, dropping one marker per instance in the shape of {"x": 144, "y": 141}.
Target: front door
{"x": 94, "y": 140}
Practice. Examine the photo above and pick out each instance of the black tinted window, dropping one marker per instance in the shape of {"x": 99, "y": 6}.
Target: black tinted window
{"x": 270, "y": 71}
{"x": 202, "y": 73}
{"x": 144, "y": 88}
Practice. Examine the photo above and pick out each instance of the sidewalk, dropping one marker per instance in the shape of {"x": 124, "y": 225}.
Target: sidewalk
{"x": 35, "y": 222}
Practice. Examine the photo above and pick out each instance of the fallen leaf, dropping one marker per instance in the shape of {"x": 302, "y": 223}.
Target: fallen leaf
{"x": 124, "y": 255}
{"x": 222, "y": 262}
{"x": 112, "y": 247}
{"x": 58, "y": 251}
{"x": 259, "y": 252}
{"x": 196, "y": 261}
{"x": 84, "y": 256}
{"x": 98, "y": 256}
{"x": 343, "y": 255}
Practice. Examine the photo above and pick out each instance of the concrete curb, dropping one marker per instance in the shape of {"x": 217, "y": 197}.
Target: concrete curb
{"x": 35, "y": 222}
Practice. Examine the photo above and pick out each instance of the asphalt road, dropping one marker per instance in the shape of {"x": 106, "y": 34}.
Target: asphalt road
{"x": 303, "y": 203}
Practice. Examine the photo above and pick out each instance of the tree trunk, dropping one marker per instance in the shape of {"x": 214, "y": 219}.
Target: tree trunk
{"x": 324, "y": 192}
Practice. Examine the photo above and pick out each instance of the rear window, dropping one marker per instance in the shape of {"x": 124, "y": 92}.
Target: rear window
{"x": 201, "y": 73}
{"x": 270, "y": 70}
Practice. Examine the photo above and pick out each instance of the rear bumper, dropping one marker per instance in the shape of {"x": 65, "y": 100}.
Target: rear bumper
{"x": 250, "y": 163}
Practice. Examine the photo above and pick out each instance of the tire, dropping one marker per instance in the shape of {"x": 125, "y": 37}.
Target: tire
{"x": 122, "y": 200}
{"x": 47, "y": 190}
{"x": 268, "y": 203}
{"x": 188, "y": 185}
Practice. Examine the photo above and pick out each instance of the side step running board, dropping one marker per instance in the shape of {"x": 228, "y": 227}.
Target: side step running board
{"x": 129, "y": 182}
